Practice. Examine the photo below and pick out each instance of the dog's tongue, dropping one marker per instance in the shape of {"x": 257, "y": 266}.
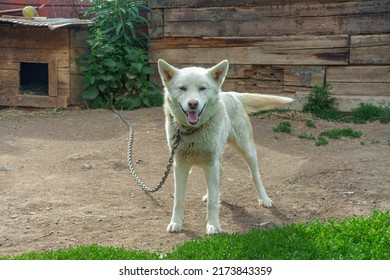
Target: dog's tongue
{"x": 193, "y": 117}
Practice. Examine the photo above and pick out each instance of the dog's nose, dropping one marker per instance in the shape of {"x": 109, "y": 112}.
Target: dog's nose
{"x": 193, "y": 104}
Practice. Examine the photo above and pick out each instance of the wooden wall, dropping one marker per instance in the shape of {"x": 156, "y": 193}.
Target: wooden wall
{"x": 281, "y": 47}
{"x": 58, "y": 48}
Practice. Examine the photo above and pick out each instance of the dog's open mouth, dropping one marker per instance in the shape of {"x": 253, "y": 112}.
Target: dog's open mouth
{"x": 193, "y": 116}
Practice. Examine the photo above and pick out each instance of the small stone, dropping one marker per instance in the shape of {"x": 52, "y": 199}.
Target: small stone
{"x": 86, "y": 166}
{"x": 3, "y": 168}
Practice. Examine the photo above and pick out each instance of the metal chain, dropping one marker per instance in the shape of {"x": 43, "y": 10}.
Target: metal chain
{"x": 176, "y": 142}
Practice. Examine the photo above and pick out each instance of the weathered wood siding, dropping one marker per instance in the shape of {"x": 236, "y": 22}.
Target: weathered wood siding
{"x": 281, "y": 47}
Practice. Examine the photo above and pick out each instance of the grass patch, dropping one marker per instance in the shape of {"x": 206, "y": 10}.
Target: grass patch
{"x": 283, "y": 127}
{"x": 90, "y": 252}
{"x": 369, "y": 113}
{"x": 306, "y": 136}
{"x": 321, "y": 141}
{"x": 338, "y": 133}
{"x": 352, "y": 239}
{"x": 310, "y": 123}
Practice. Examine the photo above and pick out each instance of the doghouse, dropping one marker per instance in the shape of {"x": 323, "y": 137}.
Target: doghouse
{"x": 38, "y": 61}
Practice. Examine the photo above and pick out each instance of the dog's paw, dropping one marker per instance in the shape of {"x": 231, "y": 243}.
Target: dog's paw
{"x": 213, "y": 229}
{"x": 174, "y": 227}
{"x": 266, "y": 202}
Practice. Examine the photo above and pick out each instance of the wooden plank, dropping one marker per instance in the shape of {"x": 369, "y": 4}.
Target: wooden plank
{"x": 53, "y": 78}
{"x": 76, "y": 89}
{"x": 359, "y": 80}
{"x": 17, "y": 55}
{"x": 291, "y": 50}
{"x": 347, "y": 103}
{"x": 366, "y": 89}
{"x": 78, "y": 38}
{"x": 275, "y": 26}
{"x": 63, "y": 77}
{"x": 28, "y": 101}
{"x": 304, "y": 76}
{"x": 358, "y": 74}
{"x": 33, "y": 37}
{"x": 75, "y": 53}
{"x": 9, "y": 78}
{"x": 7, "y": 93}
{"x": 230, "y": 3}
{"x": 370, "y": 49}
{"x": 307, "y": 19}
{"x": 9, "y": 65}
{"x": 156, "y": 23}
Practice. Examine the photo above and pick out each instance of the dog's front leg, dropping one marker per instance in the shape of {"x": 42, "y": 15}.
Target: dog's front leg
{"x": 180, "y": 178}
{"x": 213, "y": 174}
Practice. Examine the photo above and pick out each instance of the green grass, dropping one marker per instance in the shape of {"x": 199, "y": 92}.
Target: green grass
{"x": 310, "y": 123}
{"x": 90, "y": 252}
{"x": 321, "y": 141}
{"x": 306, "y": 136}
{"x": 369, "y": 113}
{"x": 338, "y": 133}
{"x": 351, "y": 239}
{"x": 283, "y": 127}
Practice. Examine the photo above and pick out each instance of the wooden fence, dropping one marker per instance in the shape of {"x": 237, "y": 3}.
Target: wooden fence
{"x": 281, "y": 47}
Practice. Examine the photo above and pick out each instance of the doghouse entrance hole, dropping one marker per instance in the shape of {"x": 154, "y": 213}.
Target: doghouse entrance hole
{"x": 34, "y": 78}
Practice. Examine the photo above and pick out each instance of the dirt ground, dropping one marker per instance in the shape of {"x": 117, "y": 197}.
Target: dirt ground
{"x": 64, "y": 180}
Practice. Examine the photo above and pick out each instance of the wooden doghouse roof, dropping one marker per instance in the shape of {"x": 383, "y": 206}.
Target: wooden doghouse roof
{"x": 51, "y": 23}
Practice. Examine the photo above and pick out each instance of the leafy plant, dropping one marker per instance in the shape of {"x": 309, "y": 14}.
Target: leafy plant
{"x": 321, "y": 104}
{"x": 116, "y": 70}
{"x": 283, "y": 127}
{"x": 369, "y": 112}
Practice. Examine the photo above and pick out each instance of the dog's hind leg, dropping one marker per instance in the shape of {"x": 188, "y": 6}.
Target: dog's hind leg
{"x": 247, "y": 149}
{"x": 180, "y": 177}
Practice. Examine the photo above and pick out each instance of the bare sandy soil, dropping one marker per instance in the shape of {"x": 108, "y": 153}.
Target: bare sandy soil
{"x": 64, "y": 180}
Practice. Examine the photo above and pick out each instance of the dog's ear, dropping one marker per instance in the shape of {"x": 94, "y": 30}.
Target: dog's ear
{"x": 167, "y": 71}
{"x": 219, "y": 71}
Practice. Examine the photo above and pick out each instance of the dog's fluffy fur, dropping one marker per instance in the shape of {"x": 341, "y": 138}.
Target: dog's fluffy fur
{"x": 208, "y": 119}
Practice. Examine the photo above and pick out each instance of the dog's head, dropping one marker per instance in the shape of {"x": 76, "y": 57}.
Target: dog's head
{"x": 192, "y": 90}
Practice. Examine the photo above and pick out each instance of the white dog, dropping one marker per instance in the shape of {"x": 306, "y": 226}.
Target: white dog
{"x": 208, "y": 119}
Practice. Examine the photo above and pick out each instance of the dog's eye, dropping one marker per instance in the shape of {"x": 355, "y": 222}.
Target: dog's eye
{"x": 202, "y": 88}
{"x": 183, "y": 88}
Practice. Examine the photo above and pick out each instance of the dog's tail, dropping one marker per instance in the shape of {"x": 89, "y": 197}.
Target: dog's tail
{"x": 253, "y": 102}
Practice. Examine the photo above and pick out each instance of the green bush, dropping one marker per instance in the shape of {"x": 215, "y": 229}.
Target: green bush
{"x": 369, "y": 112}
{"x": 116, "y": 70}
{"x": 321, "y": 104}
